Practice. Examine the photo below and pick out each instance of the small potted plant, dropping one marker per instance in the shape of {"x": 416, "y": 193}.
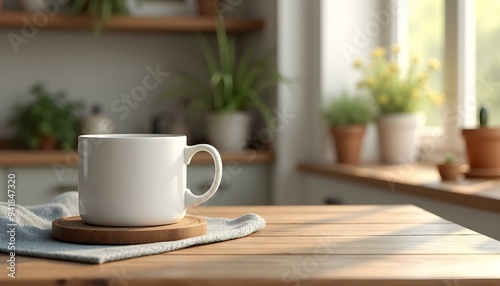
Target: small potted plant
{"x": 49, "y": 122}
{"x": 400, "y": 95}
{"x": 449, "y": 170}
{"x": 228, "y": 88}
{"x": 483, "y": 148}
{"x": 347, "y": 117}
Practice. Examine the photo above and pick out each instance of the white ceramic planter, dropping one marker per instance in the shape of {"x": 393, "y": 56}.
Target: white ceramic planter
{"x": 398, "y": 137}
{"x": 155, "y": 8}
{"x": 229, "y": 131}
{"x": 35, "y": 5}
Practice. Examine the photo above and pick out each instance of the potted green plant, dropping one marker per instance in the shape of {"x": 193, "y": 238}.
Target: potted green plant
{"x": 483, "y": 148}
{"x": 99, "y": 10}
{"x": 159, "y": 9}
{"x": 449, "y": 170}
{"x": 229, "y": 87}
{"x": 347, "y": 117}
{"x": 399, "y": 95}
{"x": 48, "y": 122}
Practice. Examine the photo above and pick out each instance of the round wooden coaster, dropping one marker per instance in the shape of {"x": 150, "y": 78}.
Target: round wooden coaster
{"x": 73, "y": 229}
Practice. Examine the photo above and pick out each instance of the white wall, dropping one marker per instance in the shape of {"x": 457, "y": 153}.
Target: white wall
{"x": 101, "y": 69}
{"x": 351, "y": 29}
{"x": 96, "y": 70}
{"x": 298, "y": 101}
{"x": 317, "y": 42}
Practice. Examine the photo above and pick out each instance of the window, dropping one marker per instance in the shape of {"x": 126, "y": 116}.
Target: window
{"x": 446, "y": 29}
{"x": 426, "y": 40}
{"x": 488, "y": 57}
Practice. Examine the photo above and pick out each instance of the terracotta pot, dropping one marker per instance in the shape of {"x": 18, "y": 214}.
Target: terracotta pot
{"x": 47, "y": 143}
{"x": 449, "y": 172}
{"x": 348, "y": 141}
{"x": 483, "y": 151}
{"x": 208, "y": 7}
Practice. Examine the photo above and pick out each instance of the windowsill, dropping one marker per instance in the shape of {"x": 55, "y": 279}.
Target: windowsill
{"x": 417, "y": 179}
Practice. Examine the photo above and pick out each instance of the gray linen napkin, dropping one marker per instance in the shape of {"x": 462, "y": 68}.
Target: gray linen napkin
{"x": 33, "y": 234}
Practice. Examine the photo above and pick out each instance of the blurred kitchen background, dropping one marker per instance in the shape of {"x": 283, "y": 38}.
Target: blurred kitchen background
{"x": 120, "y": 68}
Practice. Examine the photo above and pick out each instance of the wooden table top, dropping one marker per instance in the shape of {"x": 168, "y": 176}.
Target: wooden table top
{"x": 302, "y": 245}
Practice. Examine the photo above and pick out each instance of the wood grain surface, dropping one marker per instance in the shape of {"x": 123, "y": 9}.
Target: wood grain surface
{"x": 302, "y": 245}
{"x": 15, "y": 19}
{"x": 415, "y": 179}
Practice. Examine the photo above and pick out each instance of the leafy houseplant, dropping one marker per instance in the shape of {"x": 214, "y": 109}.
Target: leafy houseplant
{"x": 229, "y": 87}
{"x": 100, "y": 10}
{"x": 49, "y": 120}
{"x": 347, "y": 117}
{"x": 399, "y": 95}
{"x": 483, "y": 148}
{"x": 449, "y": 170}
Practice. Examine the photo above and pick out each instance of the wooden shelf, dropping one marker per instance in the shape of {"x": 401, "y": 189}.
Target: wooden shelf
{"x": 24, "y": 158}
{"x": 415, "y": 179}
{"x": 11, "y": 19}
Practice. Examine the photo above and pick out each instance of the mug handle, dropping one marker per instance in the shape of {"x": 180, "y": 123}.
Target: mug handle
{"x": 190, "y": 199}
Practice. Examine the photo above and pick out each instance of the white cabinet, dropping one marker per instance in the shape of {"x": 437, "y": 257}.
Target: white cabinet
{"x": 37, "y": 185}
{"x": 241, "y": 184}
{"x": 244, "y": 184}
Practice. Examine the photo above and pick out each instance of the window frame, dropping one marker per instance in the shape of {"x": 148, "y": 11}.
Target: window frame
{"x": 459, "y": 76}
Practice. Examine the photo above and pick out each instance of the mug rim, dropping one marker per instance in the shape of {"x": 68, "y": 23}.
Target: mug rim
{"x": 130, "y": 136}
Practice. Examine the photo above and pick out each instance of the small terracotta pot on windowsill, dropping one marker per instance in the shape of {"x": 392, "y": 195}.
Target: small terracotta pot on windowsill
{"x": 483, "y": 152}
{"x": 450, "y": 171}
{"x": 348, "y": 142}
{"x": 48, "y": 143}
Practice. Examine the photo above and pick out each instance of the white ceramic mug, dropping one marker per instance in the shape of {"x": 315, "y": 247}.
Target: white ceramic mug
{"x": 138, "y": 180}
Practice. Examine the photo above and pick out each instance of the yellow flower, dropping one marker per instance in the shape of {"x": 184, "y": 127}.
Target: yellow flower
{"x": 434, "y": 64}
{"x": 436, "y": 97}
{"x": 383, "y": 99}
{"x": 370, "y": 81}
{"x": 392, "y": 88}
{"x": 358, "y": 63}
{"x": 393, "y": 67}
{"x": 421, "y": 76}
{"x": 378, "y": 52}
{"x": 385, "y": 76}
{"x": 415, "y": 93}
{"x": 396, "y": 48}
